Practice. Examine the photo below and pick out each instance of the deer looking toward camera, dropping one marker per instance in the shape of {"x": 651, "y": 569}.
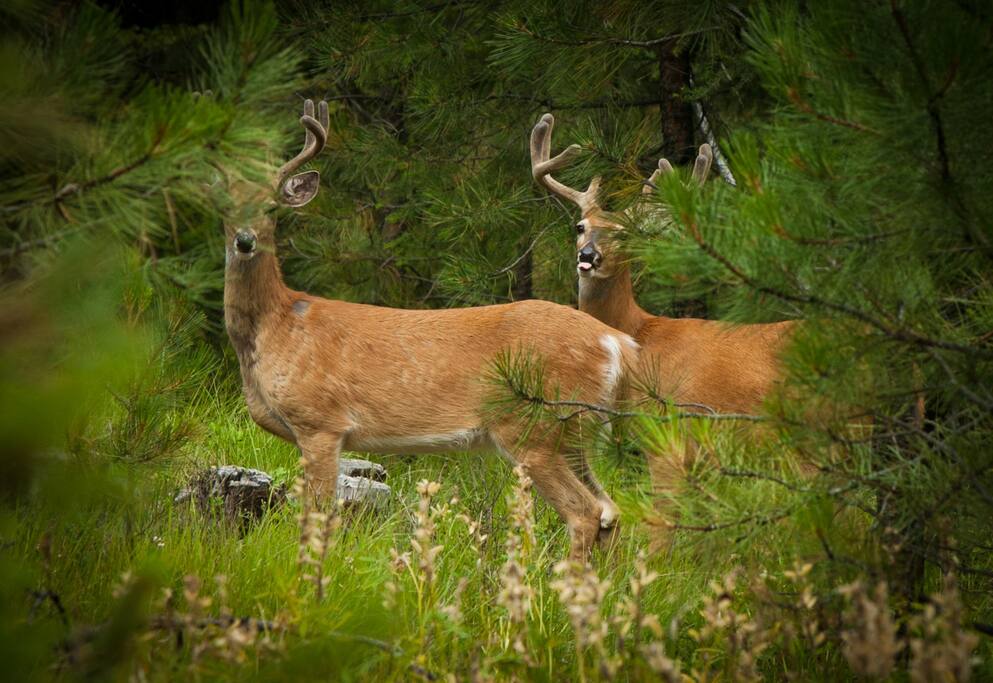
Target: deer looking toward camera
{"x": 330, "y": 375}
{"x": 720, "y": 366}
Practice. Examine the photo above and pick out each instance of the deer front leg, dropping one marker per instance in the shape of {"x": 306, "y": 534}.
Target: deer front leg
{"x": 319, "y": 455}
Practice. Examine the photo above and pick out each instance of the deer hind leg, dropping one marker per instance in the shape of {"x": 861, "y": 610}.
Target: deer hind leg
{"x": 320, "y": 454}
{"x": 557, "y": 483}
{"x": 609, "y": 512}
{"x": 668, "y": 469}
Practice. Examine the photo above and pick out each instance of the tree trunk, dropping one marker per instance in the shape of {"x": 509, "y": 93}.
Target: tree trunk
{"x": 521, "y": 288}
{"x": 676, "y": 112}
{"x": 677, "y": 135}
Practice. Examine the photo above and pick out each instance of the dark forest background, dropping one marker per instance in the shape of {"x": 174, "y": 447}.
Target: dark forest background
{"x": 857, "y": 134}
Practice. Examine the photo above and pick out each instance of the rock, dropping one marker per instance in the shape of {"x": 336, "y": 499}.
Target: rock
{"x": 354, "y": 490}
{"x": 240, "y": 493}
{"x": 361, "y": 468}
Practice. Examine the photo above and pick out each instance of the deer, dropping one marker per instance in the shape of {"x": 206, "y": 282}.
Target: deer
{"x": 328, "y": 375}
{"x": 702, "y": 365}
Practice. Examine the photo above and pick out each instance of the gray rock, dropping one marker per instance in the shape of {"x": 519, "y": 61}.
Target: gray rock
{"x": 354, "y": 490}
{"x": 361, "y": 468}
{"x": 239, "y": 494}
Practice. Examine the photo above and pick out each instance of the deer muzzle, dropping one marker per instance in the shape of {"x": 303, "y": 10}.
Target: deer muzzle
{"x": 245, "y": 241}
{"x": 588, "y": 260}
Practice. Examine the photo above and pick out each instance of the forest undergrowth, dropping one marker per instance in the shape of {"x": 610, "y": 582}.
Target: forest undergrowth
{"x": 840, "y": 533}
{"x": 461, "y": 578}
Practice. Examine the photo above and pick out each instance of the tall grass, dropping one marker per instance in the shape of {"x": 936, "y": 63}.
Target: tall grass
{"x": 446, "y": 583}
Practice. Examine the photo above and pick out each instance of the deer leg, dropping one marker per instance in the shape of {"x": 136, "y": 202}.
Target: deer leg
{"x": 609, "y": 512}
{"x": 319, "y": 454}
{"x": 668, "y": 470}
{"x": 558, "y": 484}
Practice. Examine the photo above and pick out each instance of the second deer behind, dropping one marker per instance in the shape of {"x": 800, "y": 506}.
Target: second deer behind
{"x": 704, "y": 364}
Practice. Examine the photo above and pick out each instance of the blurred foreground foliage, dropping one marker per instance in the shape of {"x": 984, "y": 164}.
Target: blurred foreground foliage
{"x": 851, "y": 537}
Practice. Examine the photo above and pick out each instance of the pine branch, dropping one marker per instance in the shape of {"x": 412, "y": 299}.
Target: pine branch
{"x": 897, "y": 334}
{"x": 419, "y": 10}
{"x": 796, "y": 98}
{"x": 583, "y": 407}
{"x": 611, "y": 40}
{"x": 506, "y": 269}
{"x": 72, "y": 189}
{"x": 759, "y": 520}
{"x": 932, "y": 103}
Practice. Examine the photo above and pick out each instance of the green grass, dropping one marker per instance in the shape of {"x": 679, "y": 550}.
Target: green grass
{"x": 125, "y": 523}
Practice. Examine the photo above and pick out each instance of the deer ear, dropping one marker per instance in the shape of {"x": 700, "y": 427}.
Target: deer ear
{"x": 300, "y": 189}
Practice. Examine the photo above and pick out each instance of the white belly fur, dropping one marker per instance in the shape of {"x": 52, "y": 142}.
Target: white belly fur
{"x": 459, "y": 440}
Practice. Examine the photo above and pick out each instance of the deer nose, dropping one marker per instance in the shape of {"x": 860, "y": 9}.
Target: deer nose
{"x": 588, "y": 254}
{"x": 244, "y": 242}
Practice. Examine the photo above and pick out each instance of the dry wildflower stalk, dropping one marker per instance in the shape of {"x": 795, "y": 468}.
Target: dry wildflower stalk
{"x": 316, "y": 530}
{"x": 806, "y": 603}
{"x": 654, "y": 655}
{"x": 424, "y": 552}
{"x": 942, "y": 650}
{"x": 515, "y": 593}
{"x": 581, "y": 592}
{"x": 869, "y": 639}
{"x": 420, "y": 561}
{"x": 223, "y": 637}
{"x": 453, "y": 610}
{"x": 122, "y": 587}
{"x": 630, "y": 621}
{"x": 744, "y": 638}
{"x": 232, "y": 643}
{"x": 476, "y": 536}
{"x": 196, "y": 605}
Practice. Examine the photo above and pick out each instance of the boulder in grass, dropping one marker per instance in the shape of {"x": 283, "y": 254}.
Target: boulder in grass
{"x": 240, "y": 494}
{"x": 362, "y": 490}
{"x": 361, "y": 468}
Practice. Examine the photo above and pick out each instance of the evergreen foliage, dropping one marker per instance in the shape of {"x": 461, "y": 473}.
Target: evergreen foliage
{"x": 850, "y": 536}
{"x": 863, "y": 208}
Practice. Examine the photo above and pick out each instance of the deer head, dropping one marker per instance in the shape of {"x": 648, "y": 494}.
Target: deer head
{"x": 249, "y": 230}
{"x": 597, "y": 252}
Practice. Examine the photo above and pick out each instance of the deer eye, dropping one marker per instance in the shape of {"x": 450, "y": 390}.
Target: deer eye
{"x": 580, "y": 228}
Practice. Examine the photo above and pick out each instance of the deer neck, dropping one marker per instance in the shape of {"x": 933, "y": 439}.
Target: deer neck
{"x": 611, "y": 301}
{"x": 253, "y": 292}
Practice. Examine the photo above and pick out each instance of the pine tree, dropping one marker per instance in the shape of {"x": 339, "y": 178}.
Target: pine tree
{"x": 431, "y": 203}
{"x": 863, "y": 207}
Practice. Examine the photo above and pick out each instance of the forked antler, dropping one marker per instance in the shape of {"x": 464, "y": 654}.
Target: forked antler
{"x": 315, "y": 139}
{"x": 701, "y": 169}
{"x": 542, "y": 166}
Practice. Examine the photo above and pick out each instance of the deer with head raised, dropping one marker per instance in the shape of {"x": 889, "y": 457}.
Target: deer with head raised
{"x": 720, "y": 366}
{"x": 329, "y": 375}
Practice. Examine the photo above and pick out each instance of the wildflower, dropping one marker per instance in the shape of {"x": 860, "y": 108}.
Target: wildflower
{"x": 942, "y": 650}
{"x": 658, "y": 662}
{"x": 316, "y": 530}
{"x": 426, "y": 518}
{"x": 744, "y": 638}
{"x": 515, "y": 592}
{"x": 582, "y": 592}
{"x": 869, "y": 641}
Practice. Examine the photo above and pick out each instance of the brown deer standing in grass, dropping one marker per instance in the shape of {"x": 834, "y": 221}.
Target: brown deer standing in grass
{"x": 330, "y": 375}
{"x": 712, "y": 365}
